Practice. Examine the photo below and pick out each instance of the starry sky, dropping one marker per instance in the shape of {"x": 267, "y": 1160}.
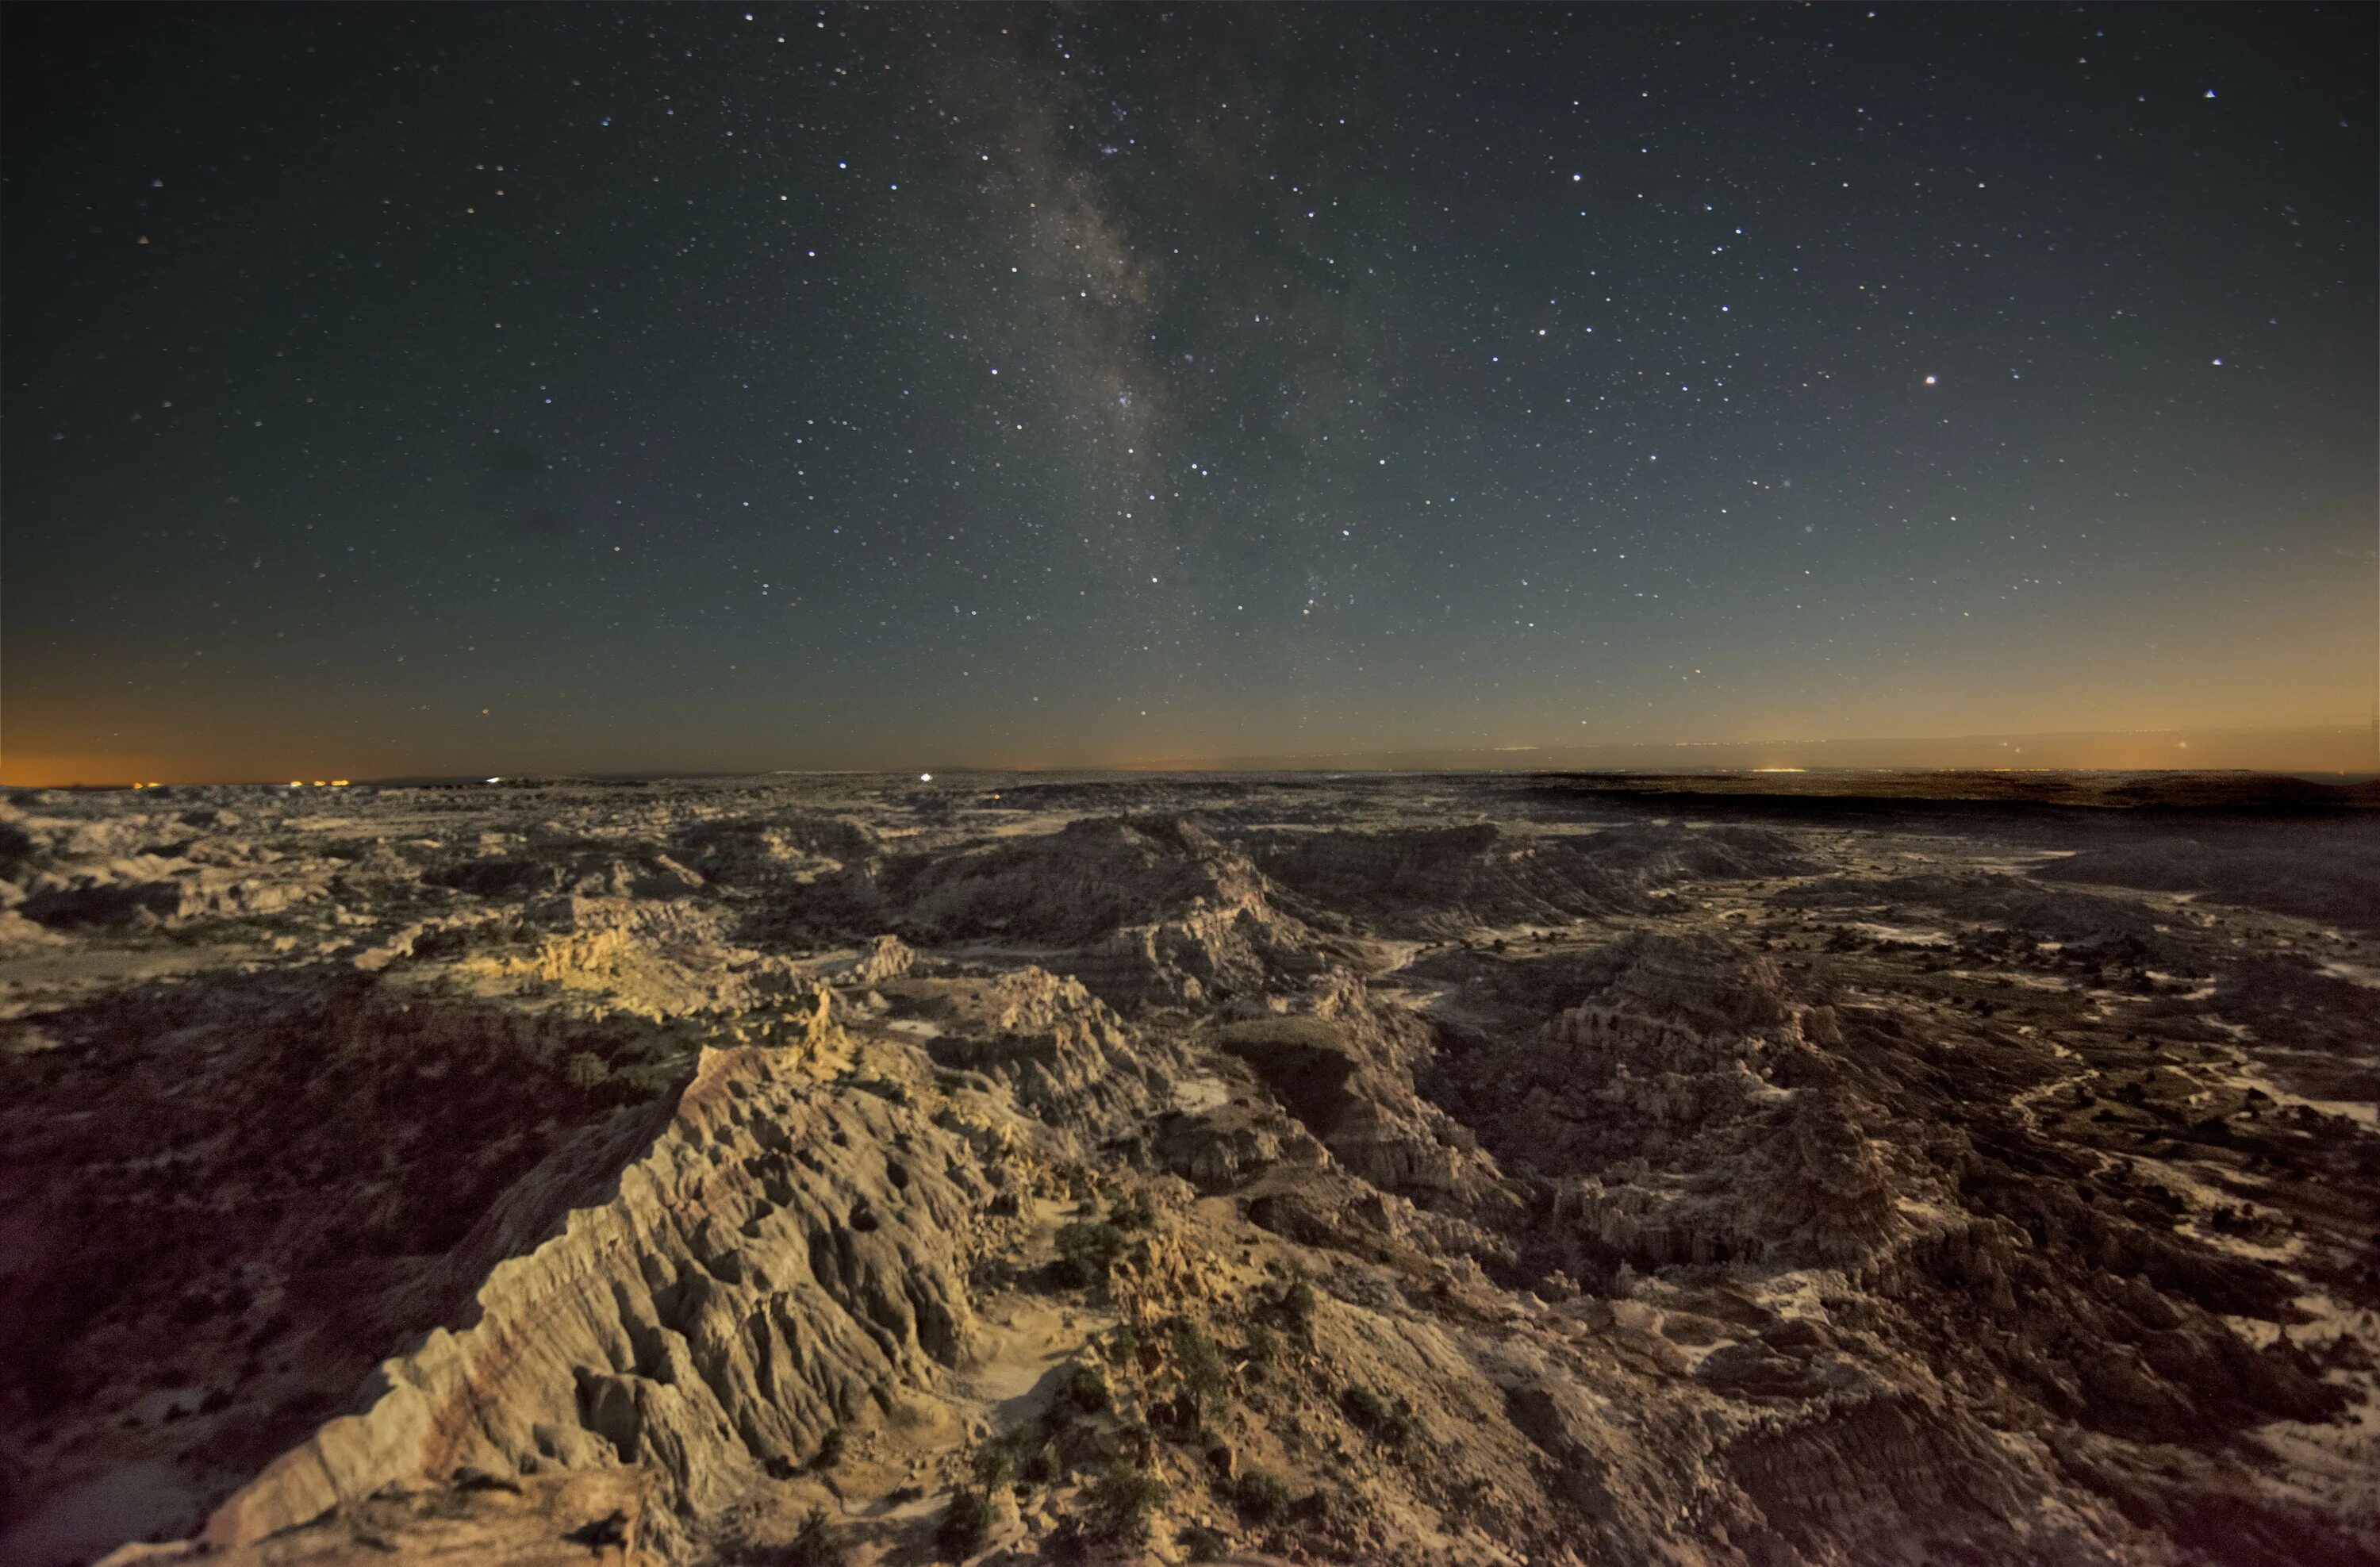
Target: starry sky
{"x": 402, "y": 391}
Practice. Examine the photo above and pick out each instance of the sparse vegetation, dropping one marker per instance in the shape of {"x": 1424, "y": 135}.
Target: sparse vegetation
{"x": 1088, "y": 1252}
{"x": 1083, "y": 1391}
{"x": 814, "y": 1544}
{"x": 1200, "y": 1366}
{"x": 965, "y": 1527}
{"x": 1293, "y": 1308}
{"x": 1119, "y": 1504}
{"x": 992, "y": 1467}
{"x": 1261, "y": 1496}
{"x": 1390, "y": 1422}
{"x": 1037, "y": 1464}
{"x": 829, "y": 1453}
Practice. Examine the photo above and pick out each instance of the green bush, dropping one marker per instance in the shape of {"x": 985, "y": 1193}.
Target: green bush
{"x": 1264, "y": 1344}
{"x": 1390, "y": 1423}
{"x": 1124, "y": 1347}
{"x": 1203, "y": 1543}
{"x": 1119, "y": 1504}
{"x": 1199, "y": 1364}
{"x": 1039, "y": 1466}
{"x": 1133, "y": 1213}
{"x": 1294, "y": 1310}
{"x": 965, "y": 1528}
{"x": 829, "y": 1453}
{"x": 1084, "y": 1391}
{"x": 993, "y": 1467}
{"x": 1088, "y": 1252}
{"x": 1260, "y": 1496}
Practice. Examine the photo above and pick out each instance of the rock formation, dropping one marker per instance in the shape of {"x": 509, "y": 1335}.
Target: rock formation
{"x": 778, "y": 1171}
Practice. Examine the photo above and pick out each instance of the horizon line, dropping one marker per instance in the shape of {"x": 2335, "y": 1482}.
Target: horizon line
{"x": 1344, "y": 759}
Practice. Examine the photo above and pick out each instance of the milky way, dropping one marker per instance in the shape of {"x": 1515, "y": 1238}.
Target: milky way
{"x": 483, "y": 390}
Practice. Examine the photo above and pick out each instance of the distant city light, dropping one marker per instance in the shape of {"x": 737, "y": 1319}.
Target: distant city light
{"x": 925, "y": 778}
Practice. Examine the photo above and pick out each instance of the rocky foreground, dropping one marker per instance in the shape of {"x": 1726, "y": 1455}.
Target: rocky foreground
{"x": 1440, "y": 1170}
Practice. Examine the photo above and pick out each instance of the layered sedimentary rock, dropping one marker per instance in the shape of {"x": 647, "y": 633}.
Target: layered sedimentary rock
{"x": 784, "y": 1256}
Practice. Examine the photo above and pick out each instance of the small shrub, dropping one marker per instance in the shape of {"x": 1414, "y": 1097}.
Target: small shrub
{"x": 1390, "y": 1423}
{"x": 1205, "y": 1378}
{"x": 1084, "y": 1391}
{"x": 1038, "y": 1466}
{"x": 1119, "y": 1504}
{"x": 814, "y": 1544}
{"x": 1077, "y": 1444}
{"x": 1088, "y": 1252}
{"x": 829, "y": 1453}
{"x": 1124, "y": 1347}
{"x": 1133, "y": 1213}
{"x": 1264, "y": 1344}
{"x": 1261, "y": 1496}
{"x": 993, "y": 1467}
{"x": 1179, "y": 1414}
{"x": 1366, "y": 1408}
{"x": 1202, "y": 1543}
{"x": 1295, "y": 1308}
{"x": 965, "y": 1528}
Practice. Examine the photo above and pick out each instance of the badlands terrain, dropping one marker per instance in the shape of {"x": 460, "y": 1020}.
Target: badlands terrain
{"x": 1419, "y": 1169}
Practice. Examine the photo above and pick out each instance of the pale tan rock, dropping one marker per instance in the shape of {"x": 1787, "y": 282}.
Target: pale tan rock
{"x": 751, "y": 1283}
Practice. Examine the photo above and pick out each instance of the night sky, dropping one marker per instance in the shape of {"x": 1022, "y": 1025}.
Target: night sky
{"x": 472, "y": 389}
